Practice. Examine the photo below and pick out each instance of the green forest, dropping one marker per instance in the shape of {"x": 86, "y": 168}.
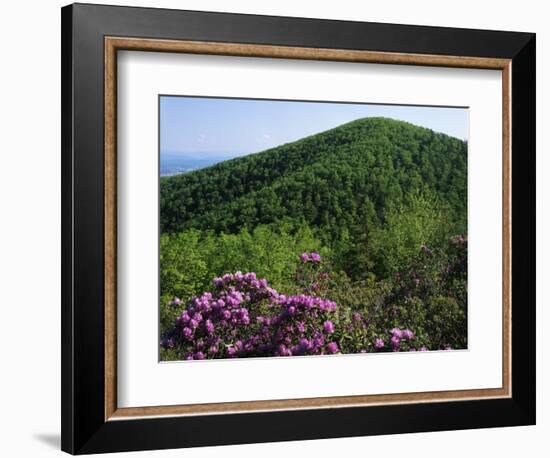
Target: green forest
{"x": 370, "y": 216}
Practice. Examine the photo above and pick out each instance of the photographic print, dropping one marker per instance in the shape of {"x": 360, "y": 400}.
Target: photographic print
{"x": 287, "y": 215}
{"x": 299, "y": 228}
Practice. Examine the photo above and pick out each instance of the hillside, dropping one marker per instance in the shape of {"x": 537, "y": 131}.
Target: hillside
{"x": 333, "y": 180}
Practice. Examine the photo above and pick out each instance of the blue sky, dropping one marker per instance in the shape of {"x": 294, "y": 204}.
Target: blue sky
{"x": 203, "y": 127}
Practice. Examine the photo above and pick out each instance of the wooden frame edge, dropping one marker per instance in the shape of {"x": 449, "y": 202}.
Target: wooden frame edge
{"x": 129, "y": 413}
{"x": 112, "y": 45}
{"x": 292, "y": 52}
{"x": 110, "y": 202}
{"x": 507, "y": 227}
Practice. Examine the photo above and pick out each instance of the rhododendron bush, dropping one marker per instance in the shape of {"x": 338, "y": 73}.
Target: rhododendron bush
{"x": 242, "y": 315}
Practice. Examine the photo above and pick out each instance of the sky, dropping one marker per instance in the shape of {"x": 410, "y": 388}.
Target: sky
{"x": 210, "y": 127}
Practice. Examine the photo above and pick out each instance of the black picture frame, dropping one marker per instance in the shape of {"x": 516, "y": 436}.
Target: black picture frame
{"x": 84, "y": 429}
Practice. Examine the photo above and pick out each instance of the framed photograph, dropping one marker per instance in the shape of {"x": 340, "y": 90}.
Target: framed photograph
{"x": 281, "y": 228}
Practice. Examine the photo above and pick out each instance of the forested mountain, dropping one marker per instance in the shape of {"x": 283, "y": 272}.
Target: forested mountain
{"x": 334, "y": 181}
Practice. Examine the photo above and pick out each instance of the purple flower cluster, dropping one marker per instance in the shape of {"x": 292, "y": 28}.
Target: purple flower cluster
{"x": 175, "y": 302}
{"x": 302, "y": 327}
{"x": 397, "y": 338}
{"x": 208, "y": 326}
{"x": 313, "y": 257}
{"x": 310, "y": 274}
{"x": 243, "y": 316}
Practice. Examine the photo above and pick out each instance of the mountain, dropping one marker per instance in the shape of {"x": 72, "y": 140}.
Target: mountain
{"x": 332, "y": 180}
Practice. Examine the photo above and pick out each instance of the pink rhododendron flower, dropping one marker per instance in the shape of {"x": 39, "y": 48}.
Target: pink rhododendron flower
{"x": 315, "y": 257}
{"x": 328, "y": 326}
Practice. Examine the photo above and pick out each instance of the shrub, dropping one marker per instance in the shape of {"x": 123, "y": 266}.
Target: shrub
{"x": 244, "y": 316}
{"x": 424, "y": 308}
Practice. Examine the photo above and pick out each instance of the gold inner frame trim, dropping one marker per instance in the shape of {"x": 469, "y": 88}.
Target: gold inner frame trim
{"x": 114, "y": 44}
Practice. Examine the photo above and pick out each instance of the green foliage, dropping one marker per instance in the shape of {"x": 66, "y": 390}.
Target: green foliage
{"x": 190, "y": 259}
{"x": 425, "y": 305}
{"x": 430, "y": 296}
{"x": 418, "y": 219}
